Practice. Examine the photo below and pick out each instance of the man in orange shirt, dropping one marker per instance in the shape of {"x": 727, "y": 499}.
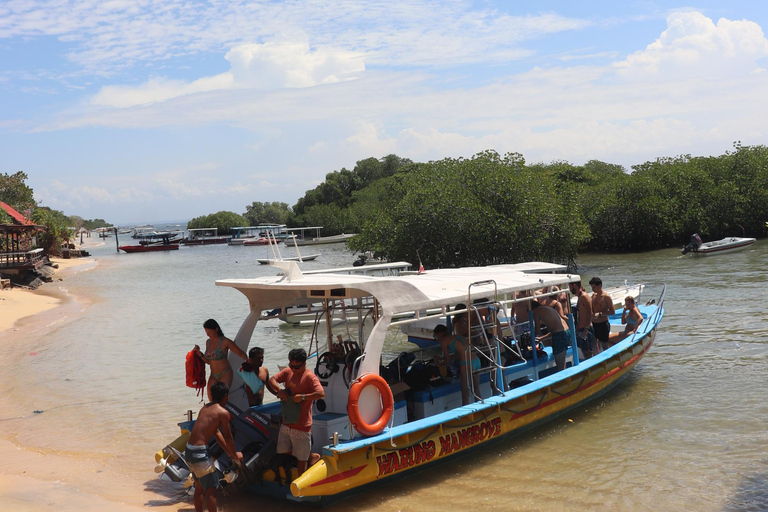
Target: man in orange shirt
{"x": 301, "y": 387}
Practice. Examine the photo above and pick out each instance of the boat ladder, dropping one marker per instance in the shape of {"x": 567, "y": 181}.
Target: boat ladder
{"x": 486, "y": 341}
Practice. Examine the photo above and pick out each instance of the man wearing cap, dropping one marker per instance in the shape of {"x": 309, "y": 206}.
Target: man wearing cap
{"x": 602, "y": 309}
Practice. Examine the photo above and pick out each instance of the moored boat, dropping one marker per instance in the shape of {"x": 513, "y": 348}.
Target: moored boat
{"x": 333, "y": 239}
{"x": 204, "y": 236}
{"x": 380, "y": 429}
{"x": 728, "y": 244}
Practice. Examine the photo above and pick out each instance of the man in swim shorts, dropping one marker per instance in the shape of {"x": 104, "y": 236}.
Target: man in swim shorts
{"x": 602, "y": 309}
{"x": 559, "y": 332}
{"x": 301, "y": 387}
{"x": 582, "y": 315}
{"x": 212, "y": 421}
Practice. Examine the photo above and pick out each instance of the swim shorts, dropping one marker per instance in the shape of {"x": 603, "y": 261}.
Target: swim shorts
{"x": 201, "y": 465}
{"x": 602, "y": 331}
{"x": 561, "y": 341}
{"x": 296, "y": 442}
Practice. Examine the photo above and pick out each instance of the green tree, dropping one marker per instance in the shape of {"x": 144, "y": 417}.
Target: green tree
{"x": 484, "y": 210}
{"x": 223, "y": 221}
{"x": 15, "y": 192}
{"x": 56, "y": 231}
{"x": 267, "y": 213}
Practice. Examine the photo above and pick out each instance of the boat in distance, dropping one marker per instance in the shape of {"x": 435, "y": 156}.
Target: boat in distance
{"x": 160, "y": 241}
{"x": 308, "y": 257}
{"x": 728, "y": 244}
{"x": 381, "y": 429}
{"x": 148, "y": 248}
{"x": 333, "y": 239}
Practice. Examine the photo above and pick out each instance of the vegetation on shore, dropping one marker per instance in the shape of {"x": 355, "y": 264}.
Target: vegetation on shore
{"x": 497, "y": 209}
{"x": 491, "y": 208}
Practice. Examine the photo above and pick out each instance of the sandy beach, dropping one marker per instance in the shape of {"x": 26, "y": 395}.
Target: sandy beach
{"x": 18, "y": 304}
{"x": 35, "y": 480}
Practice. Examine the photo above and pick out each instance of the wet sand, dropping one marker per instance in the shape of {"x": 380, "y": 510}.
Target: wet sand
{"x": 35, "y": 480}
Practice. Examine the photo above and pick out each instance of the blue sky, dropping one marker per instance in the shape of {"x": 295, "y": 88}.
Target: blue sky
{"x": 151, "y": 110}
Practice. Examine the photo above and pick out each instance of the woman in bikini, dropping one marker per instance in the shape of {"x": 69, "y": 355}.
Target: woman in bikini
{"x": 217, "y": 348}
{"x": 630, "y": 317}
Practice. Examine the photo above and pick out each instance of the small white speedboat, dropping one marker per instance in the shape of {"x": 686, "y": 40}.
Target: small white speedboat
{"x": 729, "y": 244}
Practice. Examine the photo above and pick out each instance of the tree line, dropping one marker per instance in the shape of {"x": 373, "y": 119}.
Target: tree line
{"x": 492, "y": 208}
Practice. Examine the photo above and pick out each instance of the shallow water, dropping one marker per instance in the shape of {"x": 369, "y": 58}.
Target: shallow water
{"x": 684, "y": 432}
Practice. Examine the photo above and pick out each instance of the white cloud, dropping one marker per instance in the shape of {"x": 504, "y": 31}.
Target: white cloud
{"x": 253, "y": 66}
{"x": 106, "y": 37}
{"x": 693, "y": 46}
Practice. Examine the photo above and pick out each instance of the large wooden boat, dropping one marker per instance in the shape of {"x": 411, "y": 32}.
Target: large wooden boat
{"x": 381, "y": 430}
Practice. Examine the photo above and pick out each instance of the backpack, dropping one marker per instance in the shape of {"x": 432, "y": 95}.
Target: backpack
{"x": 398, "y": 366}
{"x": 195, "y": 372}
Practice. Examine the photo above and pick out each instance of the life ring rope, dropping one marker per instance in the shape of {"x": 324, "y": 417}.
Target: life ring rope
{"x": 387, "y": 404}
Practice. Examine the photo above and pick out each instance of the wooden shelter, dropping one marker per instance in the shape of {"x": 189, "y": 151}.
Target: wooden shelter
{"x": 18, "y": 241}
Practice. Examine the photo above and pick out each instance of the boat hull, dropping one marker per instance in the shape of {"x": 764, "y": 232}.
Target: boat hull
{"x": 207, "y": 241}
{"x": 726, "y": 245}
{"x": 148, "y": 248}
{"x": 382, "y": 459}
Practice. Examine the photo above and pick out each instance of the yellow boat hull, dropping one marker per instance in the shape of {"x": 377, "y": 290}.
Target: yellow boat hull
{"x": 344, "y": 469}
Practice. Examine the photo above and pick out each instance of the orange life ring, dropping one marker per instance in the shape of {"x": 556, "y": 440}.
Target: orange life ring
{"x": 387, "y": 404}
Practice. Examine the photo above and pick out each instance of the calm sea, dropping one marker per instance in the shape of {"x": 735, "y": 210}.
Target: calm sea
{"x": 686, "y": 431}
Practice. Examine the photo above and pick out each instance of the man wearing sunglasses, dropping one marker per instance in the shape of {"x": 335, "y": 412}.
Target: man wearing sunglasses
{"x": 301, "y": 387}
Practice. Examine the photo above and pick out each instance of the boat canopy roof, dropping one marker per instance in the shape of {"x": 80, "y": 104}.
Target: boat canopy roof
{"x": 395, "y": 294}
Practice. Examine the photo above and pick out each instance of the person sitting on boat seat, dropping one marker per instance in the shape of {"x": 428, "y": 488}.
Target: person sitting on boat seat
{"x": 255, "y": 376}
{"x": 630, "y": 317}
{"x": 302, "y": 387}
{"x": 217, "y": 347}
{"x": 559, "y": 334}
{"x": 212, "y": 421}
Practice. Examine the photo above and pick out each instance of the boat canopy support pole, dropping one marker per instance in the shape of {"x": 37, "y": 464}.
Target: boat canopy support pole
{"x": 533, "y": 345}
{"x": 374, "y": 344}
{"x": 574, "y": 346}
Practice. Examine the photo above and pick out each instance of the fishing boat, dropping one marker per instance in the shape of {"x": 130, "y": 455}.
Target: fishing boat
{"x": 729, "y": 244}
{"x": 204, "y": 236}
{"x": 370, "y": 430}
{"x": 260, "y": 241}
{"x": 308, "y": 257}
{"x": 256, "y": 235}
{"x": 333, "y": 239}
{"x": 148, "y": 248}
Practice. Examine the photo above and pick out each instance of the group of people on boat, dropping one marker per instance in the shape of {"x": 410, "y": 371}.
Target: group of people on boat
{"x": 592, "y": 318}
{"x": 549, "y": 311}
{"x": 301, "y": 388}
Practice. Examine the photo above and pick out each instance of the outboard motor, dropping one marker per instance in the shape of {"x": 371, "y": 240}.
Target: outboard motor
{"x": 693, "y": 245}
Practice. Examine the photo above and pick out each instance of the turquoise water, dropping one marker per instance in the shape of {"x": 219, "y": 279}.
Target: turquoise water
{"x": 686, "y": 430}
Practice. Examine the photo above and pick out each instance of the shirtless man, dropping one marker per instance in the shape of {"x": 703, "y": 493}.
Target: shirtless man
{"x": 558, "y": 331}
{"x": 212, "y": 420}
{"x": 255, "y": 376}
{"x": 583, "y": 314}
{"x": 602, "y": 308}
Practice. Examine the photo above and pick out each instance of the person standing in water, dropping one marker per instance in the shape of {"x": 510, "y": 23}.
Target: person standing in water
{"x": 212, "y": 421}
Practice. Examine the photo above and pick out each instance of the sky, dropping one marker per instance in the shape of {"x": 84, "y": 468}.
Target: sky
{"x": 140, "y": 111}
